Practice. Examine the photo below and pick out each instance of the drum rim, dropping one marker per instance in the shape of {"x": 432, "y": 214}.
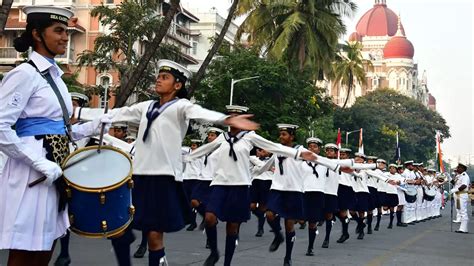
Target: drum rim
{"x": 103, "y": 235}
{"x": 102, "y": 189}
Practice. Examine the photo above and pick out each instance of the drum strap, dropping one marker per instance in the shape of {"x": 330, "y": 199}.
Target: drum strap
{"x": 49, "y": 79}
{"x": 154, "y": 110}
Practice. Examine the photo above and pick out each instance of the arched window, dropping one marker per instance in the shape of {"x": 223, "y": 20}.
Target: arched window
{"x": 103, "y": 81}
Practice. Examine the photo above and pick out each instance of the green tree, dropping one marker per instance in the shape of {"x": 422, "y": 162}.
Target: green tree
{"x": 131, "y": 23}
{"x": 348, "y": 68}
{"x": 278, "y": 96}
{"x": 304, "y": 33}
{"x": 385, "y": 112}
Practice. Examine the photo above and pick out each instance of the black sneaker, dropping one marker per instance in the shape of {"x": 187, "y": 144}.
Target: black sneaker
{"x": 277, "y": 240}
{"x": 212, "y": 259}
{"x": 310, "y": 252}
{"x": 376, "y": 228}
{"x": 140, "y": 252}
{"x": 369, "y": 230}
{"x": 343, "y": 238}
{"x": 402, "y": 224}
{"x": 62, "y": 261}
{"x": 191, "y": 227}
{"x": 390, "y": 226}
{"x": 361, "y": 235}
{"x": 325, "y": 244}
{"x": 259, "y": 233}
{"x": 286, "y": 262}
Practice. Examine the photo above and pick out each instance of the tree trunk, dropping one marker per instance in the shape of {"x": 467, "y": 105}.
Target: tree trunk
{"x": 349, "y": 89}
{"x": 4, "y": 10}
{"x": 199, "y": 75}
{"x": 129, "y": 81}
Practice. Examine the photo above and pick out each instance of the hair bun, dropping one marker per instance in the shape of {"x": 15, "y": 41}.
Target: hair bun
{"x": 23, "y": 42}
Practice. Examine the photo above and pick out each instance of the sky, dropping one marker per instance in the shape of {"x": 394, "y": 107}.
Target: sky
{"x": 442, "y": 34}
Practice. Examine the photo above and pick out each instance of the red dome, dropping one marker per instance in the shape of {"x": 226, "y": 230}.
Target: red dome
{"x": 398, "y": 47}
{"x": 378, "y": 21}
{"x": 355, "y": 37}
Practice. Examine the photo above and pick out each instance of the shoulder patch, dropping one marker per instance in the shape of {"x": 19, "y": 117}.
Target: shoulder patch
{"x": 15, "y": 100}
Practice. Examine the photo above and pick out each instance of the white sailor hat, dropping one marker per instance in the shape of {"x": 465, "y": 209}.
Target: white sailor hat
{"x": 119, "y": 125}
{"x": 196, "y": 141}
{"x": 372, "y": 158}
{"x": 346, "y": 150}
{"x": 214, "y": 130}
{"x": 381, "y": 161}
{"x": 392, "y": 165}
{"x": 314, "y": 140}
{"x": 236, "y": 109}
{"x": 79, "y": 97}
{"x": 359, "y": 154}
{"x": 59, "y": 14}
{"x": 180, "y": 72}
{"x": 290, "y": 128}
{"x": 399, "y": 166}
{"x": 408, "y": 162}
{"x": 431, "y": 170}
{"x": 417, "y": 164}
{"x": 330, "y": 146}
{"x": 130, "y": 137}
{"x": 463, "y": 166}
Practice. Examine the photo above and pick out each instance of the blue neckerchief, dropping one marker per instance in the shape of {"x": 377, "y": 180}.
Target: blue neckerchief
{"x": 154, "y": 110}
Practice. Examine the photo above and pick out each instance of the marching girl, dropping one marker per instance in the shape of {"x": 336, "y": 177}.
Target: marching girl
{"x": 362, "y": 196}
{"x": 230, "y": 197}
{"x": 346, "y": 196}
{"x": 192, "y": 171}
{"x": 34, "y": 98}
{"x": 391, "y": 200}
{"x": 158, "y": 195}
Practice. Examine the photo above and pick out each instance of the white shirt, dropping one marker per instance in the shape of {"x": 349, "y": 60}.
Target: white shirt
{"x": 345, "y": 179}
{"x": 193, "y": 169}
{"x": 235, "y": 173}
{"x": 462, "y": 179}
{"x": 292, "y": 177}
{"x": 359, "y": 183}
{"x": 313, "y": 182}
{"x": 391, "y": 189}
{"x": 209, "y": 166}
{"x": 260, "y": 169}
{"x": 376, "y": 177}
{"x": 161, "y": 153}
{"x": 332, "y": 182}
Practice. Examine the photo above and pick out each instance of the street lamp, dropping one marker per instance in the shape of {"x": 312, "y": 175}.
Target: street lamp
{"x": 233, "y": 81}
{"x": 348, "y": 133}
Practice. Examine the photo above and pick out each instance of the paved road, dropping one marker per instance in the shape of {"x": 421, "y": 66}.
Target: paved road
{"x": 430, "y": 243}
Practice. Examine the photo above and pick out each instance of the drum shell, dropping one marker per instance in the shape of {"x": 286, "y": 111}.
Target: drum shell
{"x": 410, "y": 197}
{"x": 89, "y": 210}
{"x": 428, "y": 194}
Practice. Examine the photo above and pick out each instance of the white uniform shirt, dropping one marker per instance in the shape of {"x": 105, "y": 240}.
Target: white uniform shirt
{"x": 359, "y": 184}
{"x": 209, "y": 166}
{"x": 332, "y": 182}
{"x": 193, "y": 169}
{"x": 462, "y": 179}
{"x": 292, "y": 178}
{"x": 345, "y": 179}
{"x": 391, "y": 189}
{"x": 408, "y": 175}
{"x": 235, "y": 173}
{"x": 160, "y": 154}
{"x": 260, "y": 170}
{"x": 313, "y": 182}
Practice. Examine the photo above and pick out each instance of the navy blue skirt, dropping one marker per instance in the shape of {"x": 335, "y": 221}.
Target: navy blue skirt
{"x": 287, "y": 204}
{"x": 346, "y": 197}
{"x": 314, "y": 206}
{"x": 362, "y": 201}
{"x": 259, "y": 191}
{"x": 330, "y": 203}
{"x": 189, "y": 186}
{"x": 201, "y": 191}
{"x": 382, "y": 198}
{"x": 230, "y": 203}
{"x": 373, "y": 199}
{"x": 391, "y": 200}
{"x": 160, "y": 204}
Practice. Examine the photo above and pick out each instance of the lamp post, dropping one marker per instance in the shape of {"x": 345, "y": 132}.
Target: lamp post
{"x": 348, "y": 133}
{"x": 233, "y": 81}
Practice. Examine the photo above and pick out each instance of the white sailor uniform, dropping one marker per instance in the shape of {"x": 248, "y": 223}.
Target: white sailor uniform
{"x": 314, "y": 183}
{"x": 362, "y": 194}
{"x": 410, "y": 208}
{"x": 462, "y": 200}
{"x": 391, "y": 199}
{"x": 261, "y": 180}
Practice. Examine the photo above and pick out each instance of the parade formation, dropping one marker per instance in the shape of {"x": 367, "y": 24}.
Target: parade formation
{"x": 64, "y": 173}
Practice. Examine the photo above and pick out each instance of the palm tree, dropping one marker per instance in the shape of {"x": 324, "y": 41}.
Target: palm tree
{"x": 304, "y": 33}
{"x": 348, "y": 67}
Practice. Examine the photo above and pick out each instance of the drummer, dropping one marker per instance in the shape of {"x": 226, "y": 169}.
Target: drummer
{"x": 409, "y": 177}
{"x": 34, "y": 217}
{"x": 119, "y": 130}
{"x": 158, "y": 196}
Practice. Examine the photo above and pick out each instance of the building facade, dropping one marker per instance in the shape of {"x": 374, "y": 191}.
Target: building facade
{"x": 390, "y": 54}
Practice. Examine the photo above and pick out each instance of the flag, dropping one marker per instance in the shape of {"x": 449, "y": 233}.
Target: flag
{"x": 338, "y": 141}
{"x": 361, "y": 143}
{"x": 439, "y": 153}
{"x": 397, "y": 152}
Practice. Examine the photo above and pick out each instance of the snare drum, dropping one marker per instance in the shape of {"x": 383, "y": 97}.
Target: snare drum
{"x": 410, "y": 194}
{"x": 99, "y": 191}
{"x": 429, "y": 193}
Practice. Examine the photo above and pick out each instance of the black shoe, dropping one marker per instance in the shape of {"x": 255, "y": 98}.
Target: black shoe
{"x": 461, "y": 232}
{"x": 424, "y": 220}
{"x": 62, "y": 261}
{"x": 343, "y": 238}
{"x": 286, "y": 262}
{"x": 361, "y": 235}
{"x": 360, "y": 228}
{"x": 277, "y": 240}
{"x": 310, "y": 252}
{"x": 212, "y": 259}
{"x": 369, "y": 230}
{"x": 402, "y": 224}
{"x": 140, "y": 252}
{"x": 259, "y": 233}
{"x": 416, "y": 222}
{"x": 191, "y": 227}
{"x": 325, "y": 244}
{"x": 376, "y": 228}
{"x": 390, "y": 226}
{"x": 303, "y": 226}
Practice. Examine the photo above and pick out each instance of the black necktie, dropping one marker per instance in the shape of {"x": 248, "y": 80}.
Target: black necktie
{"x": 232, "y": 140}
{"x": 310, "y": 164}
{"x": 280, "y": 163}
{"x": 154, "y": 110}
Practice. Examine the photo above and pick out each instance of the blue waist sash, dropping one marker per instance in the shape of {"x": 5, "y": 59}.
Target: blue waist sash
{"x": 33, "y": 126}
